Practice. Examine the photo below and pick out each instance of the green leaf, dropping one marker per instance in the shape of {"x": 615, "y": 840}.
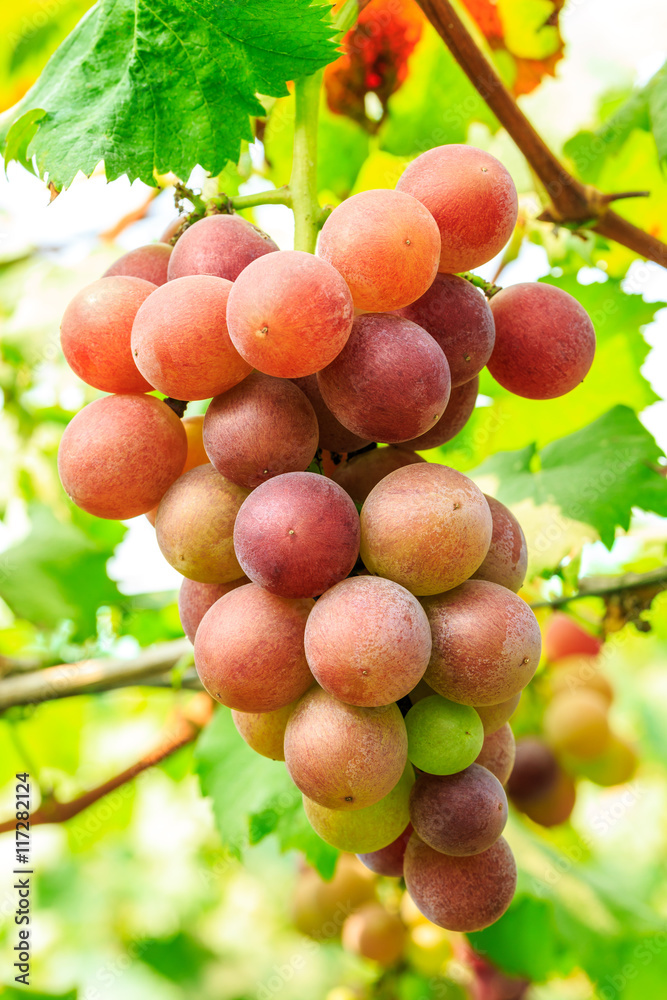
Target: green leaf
{"x": 254, "y": 797}
{"x": 657, "y": 105}
{"x": 21, "y": 135}
{"x": 12, "y": 993}
{"x": 596, "y": 475}
{"x": 166, "y": 85}
{"x": 512, "y": 422}
{"x": 180, "y": 958}
{"x": 59, "y": 570}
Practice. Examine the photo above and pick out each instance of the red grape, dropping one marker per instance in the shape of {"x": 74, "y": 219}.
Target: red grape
{"x": 259, "y": 429}
{"x": 459, "y": 814}
{"x": 390, "y": 382}
{"x": 333, "y": 436}
{"x": 361, "y": 473}
{"x": 297, "y": 535}
{"x": 545, "y": 341}
{"x": 249, "y": 650}
{"x": 194, "y": 600}
{"x": 457, "y": 413}
{"x": 459, "y": 318}
{"x": 507, "y": 559}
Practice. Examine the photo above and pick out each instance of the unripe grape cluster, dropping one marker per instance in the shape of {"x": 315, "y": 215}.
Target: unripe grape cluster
{"x": 363, "y": 623}
{"x": 576, "y": 738}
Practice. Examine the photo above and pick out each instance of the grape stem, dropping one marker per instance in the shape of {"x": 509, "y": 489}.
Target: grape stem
{"x": 488, "y": 287}
{"x": 183, "y": 729}
{"x": 303, "y": 183}
{"x": 571, "y": 202}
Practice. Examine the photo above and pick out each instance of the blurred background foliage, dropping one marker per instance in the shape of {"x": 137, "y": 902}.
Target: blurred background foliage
{"x": 159, "y": 889}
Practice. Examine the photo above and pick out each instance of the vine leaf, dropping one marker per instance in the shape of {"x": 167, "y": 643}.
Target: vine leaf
{"x": 596, "y": 475}
{"x": 152, "y": 86}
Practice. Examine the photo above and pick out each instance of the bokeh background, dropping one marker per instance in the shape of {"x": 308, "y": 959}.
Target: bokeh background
{"x": 154, "y": 890}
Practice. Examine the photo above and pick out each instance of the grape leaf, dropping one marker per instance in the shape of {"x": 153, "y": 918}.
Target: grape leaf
{"x": 596, "y": 475}
{"x": 253, "y": 796}
{"x": 163, "y": 85}
{"x": 59, "y": 570}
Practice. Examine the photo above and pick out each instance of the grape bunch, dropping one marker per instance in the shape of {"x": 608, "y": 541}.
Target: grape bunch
{"x": 360, "y": 647}
{"x": 576, "y": 738}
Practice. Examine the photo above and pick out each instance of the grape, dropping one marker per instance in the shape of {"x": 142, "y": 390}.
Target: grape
{"x": 426, "y": 527}
{"x": 194, "y": 600}
{"x": 363, "y": 831}
{"x": 507, "y": 559}
{"x": 486, "y": 643}
{"x": 576, "y": 723}
{"x": 195, "y": 525}
{"x": 459, "y": 814}
{"x": 573, "y": 673}
{"x": 220, "y": 245}
{"x": 554, "y": 806}
{"x": 472, "y": 199}
{"x": 361, "y": 473}
{"x": 289, "y": 314}
{"x": 95, "y": 334}
{"x": 564, "y": 637}
{"x": 616, "y": 765}
{"x": 459, "y": 318}
{"x": 545, "y": 341}
{"x": 443, "y": 737}
{"x": 535, "y": 770}
{"x": 333, "y": 436}
{"x": 498, "y": 753}
{"x": 368, "y": 641}
{"x": 390, "y": 382}
{"x": 429, "y": 948}
{"x": 457, "y": 413}
{"x": 195, "y": 456}
{"x": 172, "y": 229}
{"x": 297, "y": 535}
{"x": 180, "y": 340}
{"x": 495, "y": 716}
{"x": 249, "y": 650}
{"x": 264, "y": 732}
{"x": 120, "y": 454}
{"x": 342, "y": 756}
{"x": 388, "y": 860}
{"x": 385, "y": 244}
{"x": 374, "y": 933}
{"x": 149, "y": 262}
{"x": 460, "y": 894}
{"x": 259, "y": 429}
{"x": 319, "y": 908}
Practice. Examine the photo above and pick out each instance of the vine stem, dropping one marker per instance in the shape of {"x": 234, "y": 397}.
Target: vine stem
{"x": 279, "y": 196}
{"x": 183, "y": 729}
{"x": 571, "y": 201}
{"x": 303, "y": 183}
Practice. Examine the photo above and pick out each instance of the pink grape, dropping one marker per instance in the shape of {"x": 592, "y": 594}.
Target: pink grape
{"x": 333, "y": 436}
{"x": 180, "y": 340}
{"x": 289, "y": 314}
{"x": 507, "y": 559}
{"x": 219, "y": 245}
{"x": 361, "y": 473}
{"x": 249, "y": 650}
{"x": 149, "y": 262}
{"x": 194, "y": 600}
{"x": 385, "y": 244}
{"x": 119, "y": 455}
{"x": 96, "y": 330}
{"x": 472, "y": 198}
